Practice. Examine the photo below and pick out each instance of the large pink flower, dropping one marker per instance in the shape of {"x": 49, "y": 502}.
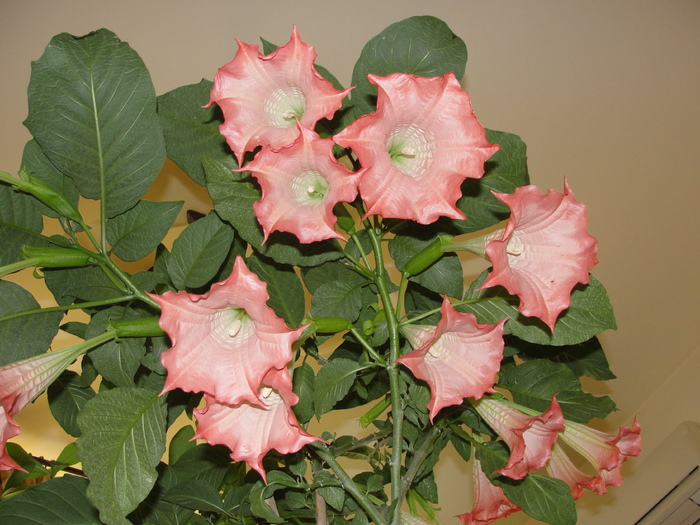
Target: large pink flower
{"x": 251, "y": 430}
{"x": 225, "y": 341}
{"x": 606, "y": 452}
{"x": 561, "y": 467}
{"x": 21, "y": 383}
{"x": 300, "y": 185}
{"x": 544, "y": 251}
{"x": 490, "y": 503}
{"x": 459, "y": 358}
{"x": 419, "y": 146}
{"x": 530, "y": 438}
{"x": 262, "y": 97}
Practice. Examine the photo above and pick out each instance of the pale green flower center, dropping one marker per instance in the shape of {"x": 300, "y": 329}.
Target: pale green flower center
{"x": 437, "y": 348}
{"x": 232, "y": 323}
{"x": 309, "y": 188}
{"x": 284, "y": 106}
{"x": 409, "y": 149}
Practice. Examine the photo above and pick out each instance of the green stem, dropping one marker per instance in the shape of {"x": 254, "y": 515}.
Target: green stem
{"x": 339, "y": 451}
{"x": 370, "y": 349}
{"x": 63, "y": 308}
{"x": 417, "y": 459}
{"x": 348, "y": 484}
{"x": 393, "y": 371}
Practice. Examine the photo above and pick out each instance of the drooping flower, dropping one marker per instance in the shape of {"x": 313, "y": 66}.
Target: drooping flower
{"x": 419, "y": 146}
{"x": 300, "y": 185}
{"x": 459, "y": 358}
{"x": 21, "y": 383}
{"x": 606, "y": 452}
{"x": 530, "y": 438}
{"x": 251, "y": 430}
{"x": 262, "y": 97}
{"x": 490, "y": 503}
{"x": 561, "y": 467}
{"x": 543, "y": 252}
{"x": 224, "y": 341}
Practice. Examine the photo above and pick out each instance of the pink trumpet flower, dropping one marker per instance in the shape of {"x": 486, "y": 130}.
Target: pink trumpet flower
{"x": 530, "y": 438}
{"x": 606, "y": 452}
{"x": 300, "y": 185}
{"x": 490, "y": 503}
{"x": 21, "y": 383}
{"x": 543, "y": 252}
{"x": 251, "y": 430}
{"x": 225, "y": 341}
{"x": 262, "y": 97}
{"x": 418, "y": 147}
{"x": 459, "y": 358}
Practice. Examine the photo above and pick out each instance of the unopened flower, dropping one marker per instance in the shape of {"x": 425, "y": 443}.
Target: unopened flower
{"x": 543, "y": 252}
{"x": 419, "y": 146}
{"x": 529, "y": 438}
{"x": 300, "y": 185}
{"x": 606, "y": 452}
{"x": 262, "y": 97}
{"x": 459, "y": 358}
{"x": 490, "y": 503}
{"x": 225, "y": 341}
{"x": 251, "y": 430}
{"x": 21, "y": 383}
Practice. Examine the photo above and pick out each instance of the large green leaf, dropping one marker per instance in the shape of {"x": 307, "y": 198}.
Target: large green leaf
{"x": 23, "y": 336}
{"x": 541, "y": 497}
{"x": 89, "y": 284}
{"x": 191, "y": 131}
{"x": 233, "y": 198}
{"x": 535, "y": 382}
{"x": 138, "y": 231}
{"x": 333, "y": 382}
{"x": 20, "y": 223}
{"x": 40, "y": 166}
{"x": 589, "y": 313}
{"x": 67, "y": 397}
{"x": 337, "y": 299}
{"x": 420, "y": 45}
{"x": 199, "y": 251}
{"x": 92, "y": 109}
{"x": 284, "y": 287}
{"x": 59, "y": 501}
{"x": 303, "y": 386}
{"x": 505, "y": 171}
{"x": 123, "y": 439}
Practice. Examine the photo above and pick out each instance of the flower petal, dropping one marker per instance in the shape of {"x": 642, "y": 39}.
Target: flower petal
{"x": 225, "y": 341}
{"x": 418, "y": 147}
{"x": 490, "y": 503}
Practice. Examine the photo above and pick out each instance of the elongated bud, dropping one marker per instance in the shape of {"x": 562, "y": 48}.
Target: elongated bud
{"x": 331, "y": 325}
{"x": 55, "y": 257}
{"x": 148, "y": 327}
{"x": 427, "y": 256}
{"x": 28, "y": 183}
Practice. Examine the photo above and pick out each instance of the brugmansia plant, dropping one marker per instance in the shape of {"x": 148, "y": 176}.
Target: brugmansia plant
{"x": 327, "y": 277}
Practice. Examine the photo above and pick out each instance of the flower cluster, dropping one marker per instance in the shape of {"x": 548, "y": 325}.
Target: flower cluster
{"x": 230, "y": 345}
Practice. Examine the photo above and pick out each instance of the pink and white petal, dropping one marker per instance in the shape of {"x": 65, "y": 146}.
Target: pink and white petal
{"x": 490, "y": 503}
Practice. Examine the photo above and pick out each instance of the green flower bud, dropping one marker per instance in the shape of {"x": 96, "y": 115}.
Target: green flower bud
{"x": 427, "y": 256}
{"x": 331, "y": 324}
{"x": 55, "y": 257}
{"x": 137, "y": 327}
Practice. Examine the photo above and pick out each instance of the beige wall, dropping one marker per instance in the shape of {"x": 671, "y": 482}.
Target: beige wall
{"x": 604, "y": 93}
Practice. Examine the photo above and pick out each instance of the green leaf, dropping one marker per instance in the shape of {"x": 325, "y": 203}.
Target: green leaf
{"x": 333, "y": 382}
{"x": 505, "y": 171}
{"x": 28, "y": 335}
{"x": 119, "y": 360}
{"x": 123, "y": 439}
{"x": 259, "y": 507}
{"x": 92, "y": 109}
{"x": 337, "y": 299}
{"x": 333, "y": 271}
{"x": 199, "y": 251}
{"x": 196, "y": 495}
{"x": 541, "y": 497}
{"x": 59, "y": 501}
{"x": 34, "y": 160}
{"x": 533, "y": 384}
{"x": 138, "y": 231}
{"x": 444, "y": 276}
{"x": 589, "y": 313}
{"x": 191, "y": 130}
{"x": 283, "y": 285}
{"x": 20, "y": 223}
{"x": 584, "y": 359}
{"x": 89, "y": 284}
{"x": 420, "y": 45}
{"x": 303, "y": 386}
{"x": 66, "y": 399}
{"x": 233, "y": 200}
{"x": 181, "y": 443}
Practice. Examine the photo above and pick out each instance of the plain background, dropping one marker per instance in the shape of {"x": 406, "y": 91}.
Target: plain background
{"x": 603, "y": 93}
